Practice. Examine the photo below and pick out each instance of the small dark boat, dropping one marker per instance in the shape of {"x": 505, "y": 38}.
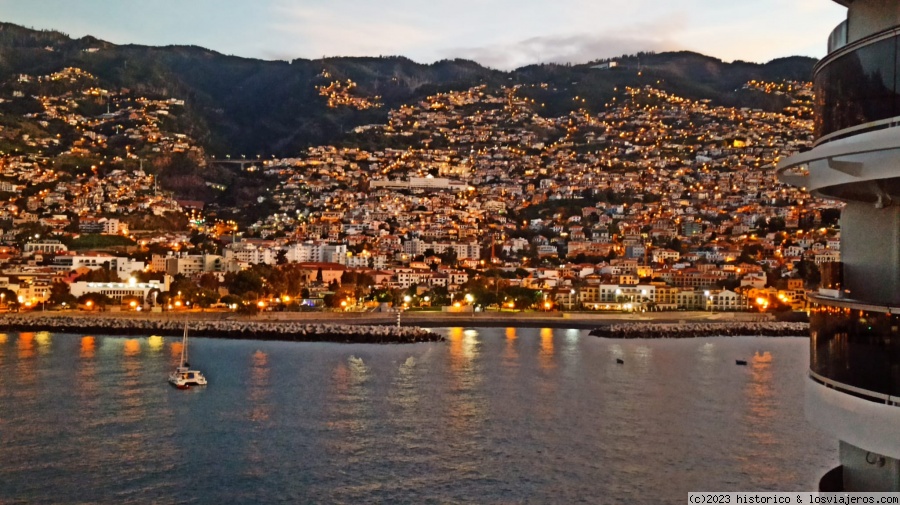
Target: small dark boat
{"x": 740, "y": 362}
{"x": 620, "y": 361}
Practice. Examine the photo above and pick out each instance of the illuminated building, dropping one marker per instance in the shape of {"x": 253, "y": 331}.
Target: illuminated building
{"x": 853, "y": 390}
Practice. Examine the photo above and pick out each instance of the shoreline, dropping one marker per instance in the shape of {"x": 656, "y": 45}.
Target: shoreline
{"x": 382, "y": 327}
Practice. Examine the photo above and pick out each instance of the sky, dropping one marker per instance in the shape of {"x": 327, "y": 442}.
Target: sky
{"x": 502, "y": 34}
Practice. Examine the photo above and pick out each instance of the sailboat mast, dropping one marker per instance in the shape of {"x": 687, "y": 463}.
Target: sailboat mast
{"x": 184, "y": 352}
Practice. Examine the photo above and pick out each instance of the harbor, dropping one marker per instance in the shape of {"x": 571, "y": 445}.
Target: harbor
{"x": 549, "y": 414}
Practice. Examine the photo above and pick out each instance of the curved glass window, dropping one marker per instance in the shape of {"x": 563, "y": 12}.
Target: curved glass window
{"x": 856, "y": 347}
{"x": 858, "y": 88}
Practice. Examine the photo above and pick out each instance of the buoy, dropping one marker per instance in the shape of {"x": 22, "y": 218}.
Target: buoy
{"x": 620, "y": 361}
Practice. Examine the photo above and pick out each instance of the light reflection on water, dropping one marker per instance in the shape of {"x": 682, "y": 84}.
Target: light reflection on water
{"x": 88, "y": 347}
{"x": 464, "y": 408}
{"x": 492, "y": 415}
{"x": 260, "y": 411}
{"x": 511, "y": 352}
{"x": 43, "y": 340}
{"x": 547, "y": 354}
{"x": 259, "y": 388}
{"x": 26, "y": 345}
{"x": 155, "y": 342}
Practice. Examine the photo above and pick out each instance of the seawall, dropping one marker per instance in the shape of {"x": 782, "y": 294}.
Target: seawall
{"x": 250, "y": 330}
{"x": 691, "y": 330}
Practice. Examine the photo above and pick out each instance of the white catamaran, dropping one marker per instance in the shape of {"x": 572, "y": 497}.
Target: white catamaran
{"x": 183, "y": 377}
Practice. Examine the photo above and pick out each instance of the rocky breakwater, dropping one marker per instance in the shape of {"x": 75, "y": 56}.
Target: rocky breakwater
{"x": 691, "y": 330}
{"x": 250, "y": 330}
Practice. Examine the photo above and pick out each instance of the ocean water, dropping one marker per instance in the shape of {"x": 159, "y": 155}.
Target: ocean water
{"x": 490, "y": 416}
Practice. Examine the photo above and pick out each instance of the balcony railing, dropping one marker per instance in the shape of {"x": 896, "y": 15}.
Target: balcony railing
{"x": 864, "y": 394}
{"x": 857, "y": 84}
{"x": 855, "y": 348}
{"x": 838, "y": 37}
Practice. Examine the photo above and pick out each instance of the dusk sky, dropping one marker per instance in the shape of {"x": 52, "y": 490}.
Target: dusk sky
{"x": 499, "y": 33}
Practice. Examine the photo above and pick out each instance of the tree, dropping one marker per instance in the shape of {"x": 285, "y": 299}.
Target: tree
{"x": 103, "y": 274}
{"x": 9, "y": 298}
{"x": 205, "y": 298}
{"x": 340, "y": 295}
{"x": 60, "y": 293}
{"x": 286, "y": 279}
{"x": 128, "y": 300}
{"x": 449, "y": 256}
{"x": 209, "y": 281}
{"x": 243, "y": 282}
{"x": 96, "y": 300}
{"x": 809, "y": 272}
{"x": 29, "y": 232}
{"x": 439, "y": 295}
{"x": 751, "y": 253}
{"x": 204, "y": 243}
{"x": 230, "y": 300}
{"x": 184, "y": 285}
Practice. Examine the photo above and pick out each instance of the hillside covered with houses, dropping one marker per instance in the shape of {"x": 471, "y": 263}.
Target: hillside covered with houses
{"x": 485, "y": 197}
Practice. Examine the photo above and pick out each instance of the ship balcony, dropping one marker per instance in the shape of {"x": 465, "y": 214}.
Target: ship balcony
{"x": 853, "y": 385}
{"x": 862, "y": 167}
{"x": 855, "y": 348}
{"x": 857, "y": 85}
{"x": 838, "y": 37}
{"x": 857, "y": 109}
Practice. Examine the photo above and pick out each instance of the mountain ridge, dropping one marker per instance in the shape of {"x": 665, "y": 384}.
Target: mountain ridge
{"x": 245, "y": 106}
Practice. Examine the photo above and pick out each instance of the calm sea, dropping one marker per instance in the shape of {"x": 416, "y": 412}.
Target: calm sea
{"x": 490, "y": 416}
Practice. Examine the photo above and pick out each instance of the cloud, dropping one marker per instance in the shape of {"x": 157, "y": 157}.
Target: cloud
{"x": 577, "y": 48}
{"x": 557, "y": 49}
{"x": 333, "y": 32}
